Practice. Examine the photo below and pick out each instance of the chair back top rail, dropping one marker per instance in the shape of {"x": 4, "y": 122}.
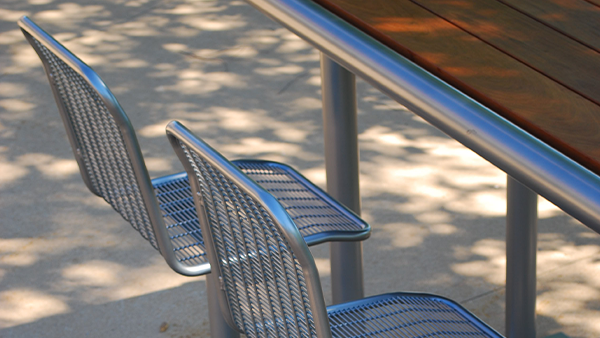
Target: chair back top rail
{"x": 269, "y": 279}
{"x": 103, "y": 142}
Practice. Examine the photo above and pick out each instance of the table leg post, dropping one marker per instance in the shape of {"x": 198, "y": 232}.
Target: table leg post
{"x": 218, "y": 326}
{"x": 521, "y": 247}
{"x": 341, "y": 162}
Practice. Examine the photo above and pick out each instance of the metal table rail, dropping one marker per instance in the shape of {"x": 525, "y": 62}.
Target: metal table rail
{"x": 533, "y": 166}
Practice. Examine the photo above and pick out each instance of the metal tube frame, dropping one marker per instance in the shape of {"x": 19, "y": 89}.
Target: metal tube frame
{"x": 180, "y": 136}
{"x": 542, "y": 168}
{"x": 218, "y": 326}
{"x": 341, "y": 163}
{"x": 521, "y": 248}
{"x": 533, "y": 163}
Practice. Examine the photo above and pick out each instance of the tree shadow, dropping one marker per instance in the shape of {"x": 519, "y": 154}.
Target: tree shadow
{"x": 252, "y": 90}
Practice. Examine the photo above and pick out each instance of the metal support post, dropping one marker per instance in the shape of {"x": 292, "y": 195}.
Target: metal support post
{"x": 218, "y": 326}
{"x": 341, "y": 163}
{"x": 521, "y": 247}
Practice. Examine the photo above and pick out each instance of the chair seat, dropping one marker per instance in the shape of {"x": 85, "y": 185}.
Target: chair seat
{"x": 318, "y": 217}
{"x": 405, "y": 315}
{"x": 179, "y": 213}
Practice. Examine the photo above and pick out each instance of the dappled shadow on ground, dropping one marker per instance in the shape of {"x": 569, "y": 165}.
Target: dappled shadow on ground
{"x": 177, "y": 318}
{"x": 251, "y": 89}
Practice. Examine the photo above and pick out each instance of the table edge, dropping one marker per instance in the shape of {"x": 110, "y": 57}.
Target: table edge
{"x": 553, "y": 175}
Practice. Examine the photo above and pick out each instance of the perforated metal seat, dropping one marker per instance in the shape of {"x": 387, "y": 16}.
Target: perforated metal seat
{"x": 269, "y": 282}
{"x": 162, "y": 210}
{"x": 318, "y": 217}
{"x": 405, "y": 315}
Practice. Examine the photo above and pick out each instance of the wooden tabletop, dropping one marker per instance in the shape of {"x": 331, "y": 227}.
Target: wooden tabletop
{"x": 535, "y": 62}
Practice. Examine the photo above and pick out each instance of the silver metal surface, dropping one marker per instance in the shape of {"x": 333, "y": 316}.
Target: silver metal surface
{"x": 104, "y": 102}
{"x": 562, "y": 181}
{"x": 266, "y": 266}
{"x": 243, "y": 227}
{"x": 406, "y": 314}
{"x": 521, "y": 248}
{"x": 546, "y": 171}
{"x": 318, "y": 216}
{"x": 341, "y": 163}
{"x": 105, "y": 145}
{"x": 218, "y": 324}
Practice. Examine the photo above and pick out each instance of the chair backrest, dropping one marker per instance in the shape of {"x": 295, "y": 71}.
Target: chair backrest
{"x": 270, "y": 284}
{"x": 103, "y": 141}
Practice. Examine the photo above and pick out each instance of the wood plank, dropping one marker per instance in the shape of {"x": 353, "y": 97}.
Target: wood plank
{"x": 548, "y": 110}
{"x": 577, "y": 19}
{"x": 561, "y": 58}
{"x": 595, "y": 2}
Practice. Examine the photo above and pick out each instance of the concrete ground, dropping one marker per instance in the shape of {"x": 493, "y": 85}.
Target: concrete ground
{"x": 71, "y": 267}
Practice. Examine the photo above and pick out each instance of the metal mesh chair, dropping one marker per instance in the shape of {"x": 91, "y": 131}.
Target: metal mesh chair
{"x": 162, "y": 210}
{"x": 269, "y": 282}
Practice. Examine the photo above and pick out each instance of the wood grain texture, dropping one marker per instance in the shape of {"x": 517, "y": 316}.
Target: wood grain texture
{"x": 549, "y": 110}
{"x": 577, "y": 19}
{"x": 595, "y": 2}
{"x": 548, "y": 51}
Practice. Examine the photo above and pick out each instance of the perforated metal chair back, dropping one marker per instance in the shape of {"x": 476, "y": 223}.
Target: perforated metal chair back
{"x": 101, "y": 136}
{"x": 162, "y": 210}
{"x": 270, "y": 283}
{"x": 105, "y": 145}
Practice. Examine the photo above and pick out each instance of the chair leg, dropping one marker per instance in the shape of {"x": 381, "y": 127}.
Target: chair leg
{"x": 218, "y": 326}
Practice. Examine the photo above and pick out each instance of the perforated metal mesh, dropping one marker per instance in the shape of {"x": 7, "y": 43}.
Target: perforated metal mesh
{"x": 264, "y": 281}
{"x": 404, "y": 316}
{"x": 311, "y": 213}
{"x": 99, "y": 142}
{"x": 179, "y": 213}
